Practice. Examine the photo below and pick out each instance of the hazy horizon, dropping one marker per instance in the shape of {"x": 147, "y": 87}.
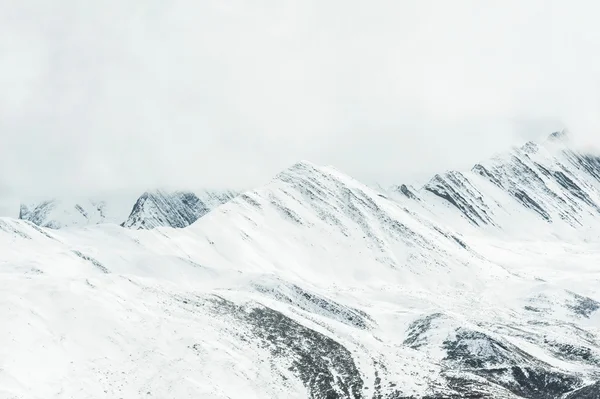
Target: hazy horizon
{"x": 136, "y": 95}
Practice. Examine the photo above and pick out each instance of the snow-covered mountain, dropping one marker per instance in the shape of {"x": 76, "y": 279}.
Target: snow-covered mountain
{"x": 176, "y": 209}
{"x": 543, "y": 187}
{"x": 151, "y": 209}
{"x": 58, "y": 213}
{"x": 317, "y": 286}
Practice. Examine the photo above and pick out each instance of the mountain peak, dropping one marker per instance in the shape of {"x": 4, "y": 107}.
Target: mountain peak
{"x": 299, "y": 168}
{"x": 173, "y": 209}
{"x": 302, "y": 165}
{"x": 559, "y": 136}
{"x": 405, "y": 190}
{"x": 530, "y": 147}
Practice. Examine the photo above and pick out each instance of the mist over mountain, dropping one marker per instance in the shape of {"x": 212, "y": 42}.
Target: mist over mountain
{"x": 339, "y": 199}
{"x": 480, "y": 283}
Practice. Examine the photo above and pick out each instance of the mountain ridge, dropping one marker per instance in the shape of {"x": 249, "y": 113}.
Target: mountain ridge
{"x": 175, "y": 209}
{"x": 553, "y": 182}
{"x": 151, "y": 209}
{"x": 317, "y": 286}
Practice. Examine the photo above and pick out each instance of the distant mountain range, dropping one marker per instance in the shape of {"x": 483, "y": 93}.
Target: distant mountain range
{"x": 152, "y": 209}
{"x": 482, "y": 283}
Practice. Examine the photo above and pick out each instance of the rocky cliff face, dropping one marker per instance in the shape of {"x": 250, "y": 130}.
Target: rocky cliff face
{"x": 177, "y": 209}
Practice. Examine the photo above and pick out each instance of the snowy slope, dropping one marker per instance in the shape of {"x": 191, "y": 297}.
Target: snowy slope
{"x": 177, "y": 209}
{"x": 58, "y": 213}
{"x": 544, "y": 188}
{"x": 317, "y": 286}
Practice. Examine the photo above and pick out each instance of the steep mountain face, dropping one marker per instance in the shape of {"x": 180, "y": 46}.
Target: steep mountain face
{"x": 317, "y": 286}
{"x": 178, "y": 209}
{"x": 547, "y": 187}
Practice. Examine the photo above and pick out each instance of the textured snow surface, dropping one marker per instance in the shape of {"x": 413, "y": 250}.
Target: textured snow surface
{"x": 482, "y": 284}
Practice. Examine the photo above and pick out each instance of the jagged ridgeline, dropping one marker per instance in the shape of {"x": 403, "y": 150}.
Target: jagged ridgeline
{"x": 178, "y": 209}
{"x": 483, "y": 283}
{"x": 548, "y": 180}
{"x": 152, "y": 209}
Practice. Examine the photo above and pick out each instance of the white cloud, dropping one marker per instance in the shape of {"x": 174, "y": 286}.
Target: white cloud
{"x": 225, "y": 93}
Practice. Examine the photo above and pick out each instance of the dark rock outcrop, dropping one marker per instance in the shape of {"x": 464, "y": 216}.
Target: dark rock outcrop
{"x": 178, "y": 209}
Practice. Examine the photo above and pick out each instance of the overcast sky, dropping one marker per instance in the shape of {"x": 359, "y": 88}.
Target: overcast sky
{"x": 121, "y": 94}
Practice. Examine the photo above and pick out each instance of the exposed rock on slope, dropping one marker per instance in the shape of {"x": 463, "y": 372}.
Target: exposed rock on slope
{"x": 178, "y": 209}
{"x": 547, "y": 181}
{"x": 317, "y": 286}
